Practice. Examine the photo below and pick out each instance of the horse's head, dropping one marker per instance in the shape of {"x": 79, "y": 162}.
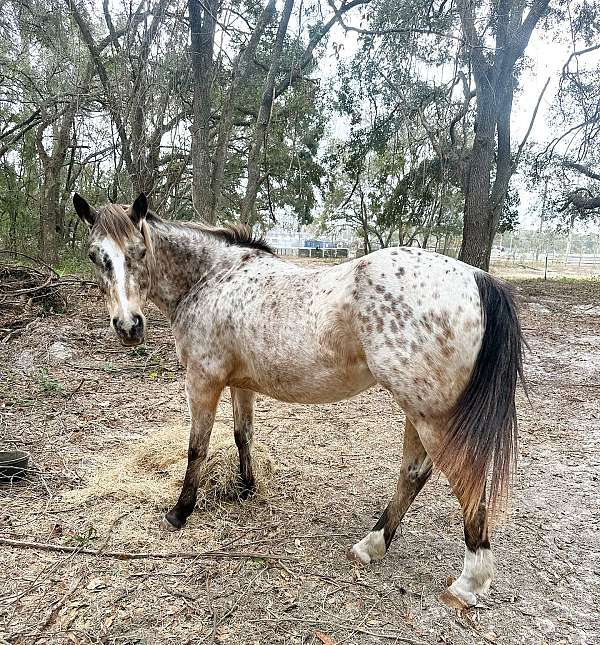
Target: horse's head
{"x": 119, "y": 247}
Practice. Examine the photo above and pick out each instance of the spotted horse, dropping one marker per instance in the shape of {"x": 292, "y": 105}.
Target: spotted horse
{"x": 442, "y": 337}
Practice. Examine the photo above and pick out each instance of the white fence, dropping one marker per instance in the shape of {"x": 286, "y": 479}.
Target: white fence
{"x": 309, "y": 252}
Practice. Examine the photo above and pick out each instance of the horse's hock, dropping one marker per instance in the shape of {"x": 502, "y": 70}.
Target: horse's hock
{"x": 152, "y": 470}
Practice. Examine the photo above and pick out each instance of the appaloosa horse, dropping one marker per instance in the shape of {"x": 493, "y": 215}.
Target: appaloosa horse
{"x": 441, "y": 336}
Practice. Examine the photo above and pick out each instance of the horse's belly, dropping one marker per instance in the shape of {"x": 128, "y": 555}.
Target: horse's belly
{"x": 314, "y": 384}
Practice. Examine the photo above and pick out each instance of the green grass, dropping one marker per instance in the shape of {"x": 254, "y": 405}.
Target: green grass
{"x": 48, "y": 383}
{"x": 73, "y": 264}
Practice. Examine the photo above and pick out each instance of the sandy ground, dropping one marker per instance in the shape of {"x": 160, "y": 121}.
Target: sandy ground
{"x": 106, "y": 430}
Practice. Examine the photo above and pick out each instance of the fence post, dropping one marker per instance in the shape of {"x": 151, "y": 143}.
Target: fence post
{"x": 546, "y": 268}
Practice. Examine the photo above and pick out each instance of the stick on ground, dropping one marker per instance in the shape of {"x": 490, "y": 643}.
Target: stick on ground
{"x": 128, "y": 555}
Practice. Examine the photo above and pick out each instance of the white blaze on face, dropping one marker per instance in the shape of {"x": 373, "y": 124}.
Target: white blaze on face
{"x": 117, "y": 258}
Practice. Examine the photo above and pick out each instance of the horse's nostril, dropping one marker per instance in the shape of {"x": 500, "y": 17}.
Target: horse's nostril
{"x": 114, "y": 322}
{"x": 137, "y": 321}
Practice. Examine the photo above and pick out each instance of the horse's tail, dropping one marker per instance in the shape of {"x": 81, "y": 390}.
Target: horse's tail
{"x": 483, "y": 423}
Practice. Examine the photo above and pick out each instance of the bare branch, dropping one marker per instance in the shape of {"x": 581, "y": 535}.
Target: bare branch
{"x": 531, "y": 122}
{"x": 580, "y": 168}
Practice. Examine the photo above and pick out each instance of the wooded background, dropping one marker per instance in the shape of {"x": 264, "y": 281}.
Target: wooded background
{"x": 222, "y": 111}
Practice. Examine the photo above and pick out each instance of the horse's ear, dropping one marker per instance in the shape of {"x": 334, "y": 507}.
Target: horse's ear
{"x": 84, "y": 210}
{"x": 139, "y": 209}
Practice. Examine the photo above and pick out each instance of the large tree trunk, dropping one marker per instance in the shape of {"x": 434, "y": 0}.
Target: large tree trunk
{"x": 262, "y": 122}
{"x": 478, "y": 209}
{"x": 202, "y": 30}
{"x": 494, "y": 92}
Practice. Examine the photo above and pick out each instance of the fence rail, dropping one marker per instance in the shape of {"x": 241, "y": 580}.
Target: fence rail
{"x": 309, "y": 252}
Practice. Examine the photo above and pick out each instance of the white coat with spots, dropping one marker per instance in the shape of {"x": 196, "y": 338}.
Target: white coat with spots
{"x": 441, "y": 336}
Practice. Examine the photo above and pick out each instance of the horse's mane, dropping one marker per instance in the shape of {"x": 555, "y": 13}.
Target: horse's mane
{"x": 114, "y": 220}
{"x": 232, "y": 234}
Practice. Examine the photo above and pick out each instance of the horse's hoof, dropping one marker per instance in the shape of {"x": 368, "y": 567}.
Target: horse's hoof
{"x": 355, "y": 555}
{"x": 371, "y": 547}
{"x": 247, "y": 490}
{"x": 170, "y": 523}
{"x": 461, "y": 600}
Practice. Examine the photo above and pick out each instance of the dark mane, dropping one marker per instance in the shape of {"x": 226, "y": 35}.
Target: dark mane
{"x": 240, "y": 235}
{"x": 231, "y": 234}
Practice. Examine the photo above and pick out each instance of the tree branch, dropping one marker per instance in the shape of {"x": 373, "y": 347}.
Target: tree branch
{"x": 584, "y": 170}
{"x": 531, "y": 122}
{"x": 307, "y": 56}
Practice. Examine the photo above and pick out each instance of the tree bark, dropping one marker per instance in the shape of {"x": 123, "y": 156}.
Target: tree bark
{"x": 52, "y": 164}
{"x": 241, "y": 70}
{"x": 202, "y": 30}
{"x": 248, "y": 214}
{"x": 494, "y": 91}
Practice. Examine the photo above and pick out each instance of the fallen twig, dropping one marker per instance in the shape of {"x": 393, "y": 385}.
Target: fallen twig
{"x": 30, "y": 257}
{"x": 53, "y": 613}
{"x": 129, "y": 555}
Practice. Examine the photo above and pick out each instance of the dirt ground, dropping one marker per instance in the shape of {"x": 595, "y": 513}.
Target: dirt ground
{"x": 99, "y": 419}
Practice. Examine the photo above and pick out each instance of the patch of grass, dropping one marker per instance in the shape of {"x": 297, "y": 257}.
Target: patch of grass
{"x": 73, "y": 264}
{"x": 82, "y": 539}
{"x": 48, "y": 383}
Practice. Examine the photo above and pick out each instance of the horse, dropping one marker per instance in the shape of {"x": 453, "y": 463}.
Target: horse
{"x": 441, "y": 336}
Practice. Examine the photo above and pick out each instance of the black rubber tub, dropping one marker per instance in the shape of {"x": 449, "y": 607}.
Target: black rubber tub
{"x": 13, "y": 465}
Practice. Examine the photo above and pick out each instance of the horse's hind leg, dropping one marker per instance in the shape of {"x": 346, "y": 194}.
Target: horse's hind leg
{"x": 478, "y": 567}
{"x": 414, "y": 472}
{"x": 243, "y": 423}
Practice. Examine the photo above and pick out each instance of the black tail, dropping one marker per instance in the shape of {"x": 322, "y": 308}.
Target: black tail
{"x": 483, "y": 424}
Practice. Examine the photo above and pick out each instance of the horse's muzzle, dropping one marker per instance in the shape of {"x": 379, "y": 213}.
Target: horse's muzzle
{"x": 130, "y": 335}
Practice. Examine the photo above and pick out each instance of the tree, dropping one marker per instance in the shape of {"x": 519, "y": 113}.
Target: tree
{"x": 494, "y": 78}
{"x": 390, "y": 191}
{"x": 481, "y": 43}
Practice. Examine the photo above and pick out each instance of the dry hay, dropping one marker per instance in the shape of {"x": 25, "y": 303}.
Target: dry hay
{"x": 152, "y": 470}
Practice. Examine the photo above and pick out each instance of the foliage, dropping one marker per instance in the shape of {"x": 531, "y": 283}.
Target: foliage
{"x": 99, "y": 99}
{"x": 113, "y": 98}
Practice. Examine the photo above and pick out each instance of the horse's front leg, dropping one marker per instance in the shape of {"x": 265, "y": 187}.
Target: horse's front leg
{"x": 243, "y": 420}
{"x": 203, "y": 394}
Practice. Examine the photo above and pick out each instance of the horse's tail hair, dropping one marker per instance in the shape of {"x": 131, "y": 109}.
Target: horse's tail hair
{"x": 483, "y": 424}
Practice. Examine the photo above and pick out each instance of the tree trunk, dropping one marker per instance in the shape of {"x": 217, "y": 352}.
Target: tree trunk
{"x": 241, "y": 70}
{"x": 202, "y": 30}
{"x": 262, "y": 122}
{"x": 494, "y": 92}
{"x": 52, "y": 163}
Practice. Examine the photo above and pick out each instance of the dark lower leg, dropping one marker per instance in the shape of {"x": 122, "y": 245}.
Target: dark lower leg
{"x": 243, "y": 423}
{"x": 414, "y": 472}
{"x": 178, "y": 515}
{"x": 476, "y": 530}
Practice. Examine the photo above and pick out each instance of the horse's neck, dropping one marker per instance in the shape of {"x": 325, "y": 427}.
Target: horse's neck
{"x": 181, "y": 259}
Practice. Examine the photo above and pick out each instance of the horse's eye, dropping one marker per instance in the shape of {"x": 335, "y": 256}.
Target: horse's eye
{"x": 142, "y": 254}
